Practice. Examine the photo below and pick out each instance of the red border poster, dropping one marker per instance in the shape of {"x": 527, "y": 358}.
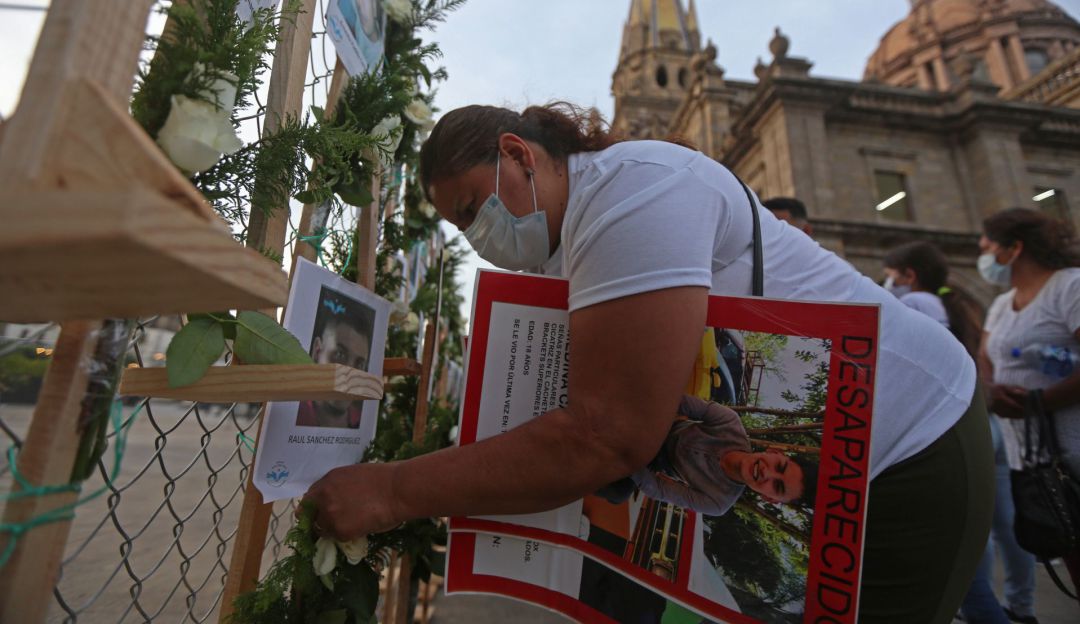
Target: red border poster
{"x": 796, "y": 377}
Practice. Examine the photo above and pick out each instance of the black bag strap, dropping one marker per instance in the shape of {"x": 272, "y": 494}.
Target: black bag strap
{"x": 1057, "y": 580}
{"x": 1044, "y": 423}
{"x": 757, "y": 285}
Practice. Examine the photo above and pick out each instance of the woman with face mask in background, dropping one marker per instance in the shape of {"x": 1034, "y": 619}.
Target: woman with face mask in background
{"x": 916, "y": 273}
{"x": 644, "y": 231}
{"x": 1035, "y": 257}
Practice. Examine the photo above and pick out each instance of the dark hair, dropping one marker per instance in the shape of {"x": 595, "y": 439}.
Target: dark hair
{"x": 794, "y": 207}
{"x": 468, "y": 136}
{"x": 932, "y": 272}
{"x": 810, "y": 466}
{"x": 335, "y": 309}
{"x": 1048, "y": 242}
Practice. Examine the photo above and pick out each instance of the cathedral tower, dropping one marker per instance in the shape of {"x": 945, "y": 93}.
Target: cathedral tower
{"x": 659, "y": 40}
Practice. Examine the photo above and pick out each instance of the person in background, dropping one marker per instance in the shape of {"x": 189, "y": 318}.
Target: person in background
{"x": 1034, "y": 256}
{"x": 917, "y": 273}
{"x": 790, "y": 210}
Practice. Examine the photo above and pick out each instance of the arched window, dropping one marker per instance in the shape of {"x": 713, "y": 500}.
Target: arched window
{"x": 1036, "y": 59}
{"x": 661, "y": 76}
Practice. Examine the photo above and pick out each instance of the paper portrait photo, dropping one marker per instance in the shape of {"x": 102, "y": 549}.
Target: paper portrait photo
{"x": 731, "y": 517}
{"x": 342, "y": 334}
{"x": 340, "y": 323}
{"x": 357, "y": 28}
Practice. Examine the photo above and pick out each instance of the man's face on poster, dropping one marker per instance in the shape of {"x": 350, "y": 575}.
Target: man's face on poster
{"x": 340, "y": 343}
{"x": 773, "y": 475}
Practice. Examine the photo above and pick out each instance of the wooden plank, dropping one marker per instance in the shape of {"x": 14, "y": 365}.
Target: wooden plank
{"x": 122, "y": 254}
{"x": 287, "y": 85}
{"x": 368, "y": 226}
{"x": 393, "y": 367}
{"x": 252, "y": 383}
{"x": 46, "y": 458}
{"x": 267, "y": 229}
{"x": 302, "y": 248}
{"x": 98, "y": 40}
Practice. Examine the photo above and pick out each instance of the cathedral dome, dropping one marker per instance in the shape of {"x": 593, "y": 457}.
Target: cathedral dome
{"x": 918, "y": 50}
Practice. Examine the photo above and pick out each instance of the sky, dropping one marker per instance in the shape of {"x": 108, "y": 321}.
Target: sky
{"x": 519, "y": 52}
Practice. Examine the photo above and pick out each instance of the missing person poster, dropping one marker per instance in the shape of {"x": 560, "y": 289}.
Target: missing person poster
{"x": 358, "y": 30}
{"x": 753, "y": 509}
{"x": 340, "y": 323}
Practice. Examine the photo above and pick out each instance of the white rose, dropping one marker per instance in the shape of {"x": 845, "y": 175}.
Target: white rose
{"x": 427, "y": 209}
{"x": 411, "y": 322}
{"x": 399, "y": 312}
{"x": 388, "y": 132}
{"x": 419, "y": 113}
{"x": 400, "y": 11}
{"x": 453, "y": 434}
{"x": 325, "y": 556}
{"x": 354, "y": 550}
{"x": 196, "y": 134}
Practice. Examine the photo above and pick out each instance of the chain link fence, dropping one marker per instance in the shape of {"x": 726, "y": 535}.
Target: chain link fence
{"x": 156, "y": 544}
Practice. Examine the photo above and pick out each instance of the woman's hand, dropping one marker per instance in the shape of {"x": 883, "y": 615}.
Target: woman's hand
{"x": 354, "y": 501}
{"x": 1008, "y": 401}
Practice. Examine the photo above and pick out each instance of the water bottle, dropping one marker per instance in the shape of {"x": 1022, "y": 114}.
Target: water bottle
{"x": 1051, "y": 360}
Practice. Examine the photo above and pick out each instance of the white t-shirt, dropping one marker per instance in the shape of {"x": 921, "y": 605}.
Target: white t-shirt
{"x": 1051, "y": 318}
{"x": 927, "y": 303}
{"x": 647, "y": 215}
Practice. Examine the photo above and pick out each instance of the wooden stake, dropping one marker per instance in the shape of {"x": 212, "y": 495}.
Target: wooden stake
{"x": 267, "y": 228}
{"x": 286, "y": 96}
{"x": 46, "y": 458}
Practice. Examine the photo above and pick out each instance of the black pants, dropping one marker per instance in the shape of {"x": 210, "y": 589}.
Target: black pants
{"x": 927, "y": 524}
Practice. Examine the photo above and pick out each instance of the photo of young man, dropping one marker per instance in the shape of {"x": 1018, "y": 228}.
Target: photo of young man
{"x": 341, "y": 335}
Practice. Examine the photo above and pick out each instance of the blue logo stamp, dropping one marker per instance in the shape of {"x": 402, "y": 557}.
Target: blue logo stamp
{"x": 278, "y": 475}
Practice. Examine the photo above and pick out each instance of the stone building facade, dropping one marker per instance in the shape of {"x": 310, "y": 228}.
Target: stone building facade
{"x": 967, "y": 107}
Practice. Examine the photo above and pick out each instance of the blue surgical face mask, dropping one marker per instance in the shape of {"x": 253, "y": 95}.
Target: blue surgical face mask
{"x": 993, "y": 271}
{"x": 509, "y": 242}
{"x": 897, "y": 290}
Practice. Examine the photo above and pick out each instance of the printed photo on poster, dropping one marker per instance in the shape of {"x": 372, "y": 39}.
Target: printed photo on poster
{"x": 357, "y": 28}
{"x": 341, "y": 334}
{"x": 722, "y": 519}
{"x": 341, "y": 323}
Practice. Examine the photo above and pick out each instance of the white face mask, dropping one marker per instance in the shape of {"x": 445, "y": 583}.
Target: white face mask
{"x": 509, "y": 242}
{"x": 897, "y": 290}
{"x": 993, "y": 271}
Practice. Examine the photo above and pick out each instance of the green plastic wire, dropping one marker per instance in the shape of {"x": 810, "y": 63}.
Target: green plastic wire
{"x": 66, "y": 512}
{"x": 246, "y": 441}
{"x": 316, "y": 241}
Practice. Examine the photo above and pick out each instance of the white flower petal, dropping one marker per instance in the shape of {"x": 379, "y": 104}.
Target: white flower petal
{"x": 420, "y": 114}
{"x": 325, "y": 556}
{"x": 399, "y": 311}
{"x": 196, "y": 134}
{"x": 398, "y": 10}
{"x": 354, "y": 550}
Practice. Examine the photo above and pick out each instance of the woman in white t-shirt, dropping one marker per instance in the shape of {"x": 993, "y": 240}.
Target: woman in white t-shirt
{"x": 644, "y": 231}
{"x": 1035, "y": 255}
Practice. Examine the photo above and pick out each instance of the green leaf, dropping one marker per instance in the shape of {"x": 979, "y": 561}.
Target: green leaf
{"x": 318, "y": 112}
{"x": 227, "y": 320}
{"x": 355, "y": 192}
{"x": 337, "y": 616}
{"x": 260, "y": 340}
{"x": 306, "y": 197}
{"x": 360, "y": 590}
{"x": 193, "y": 350}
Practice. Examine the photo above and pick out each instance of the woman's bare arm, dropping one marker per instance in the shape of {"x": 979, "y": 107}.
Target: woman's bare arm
{"x": 630, "y": 360}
